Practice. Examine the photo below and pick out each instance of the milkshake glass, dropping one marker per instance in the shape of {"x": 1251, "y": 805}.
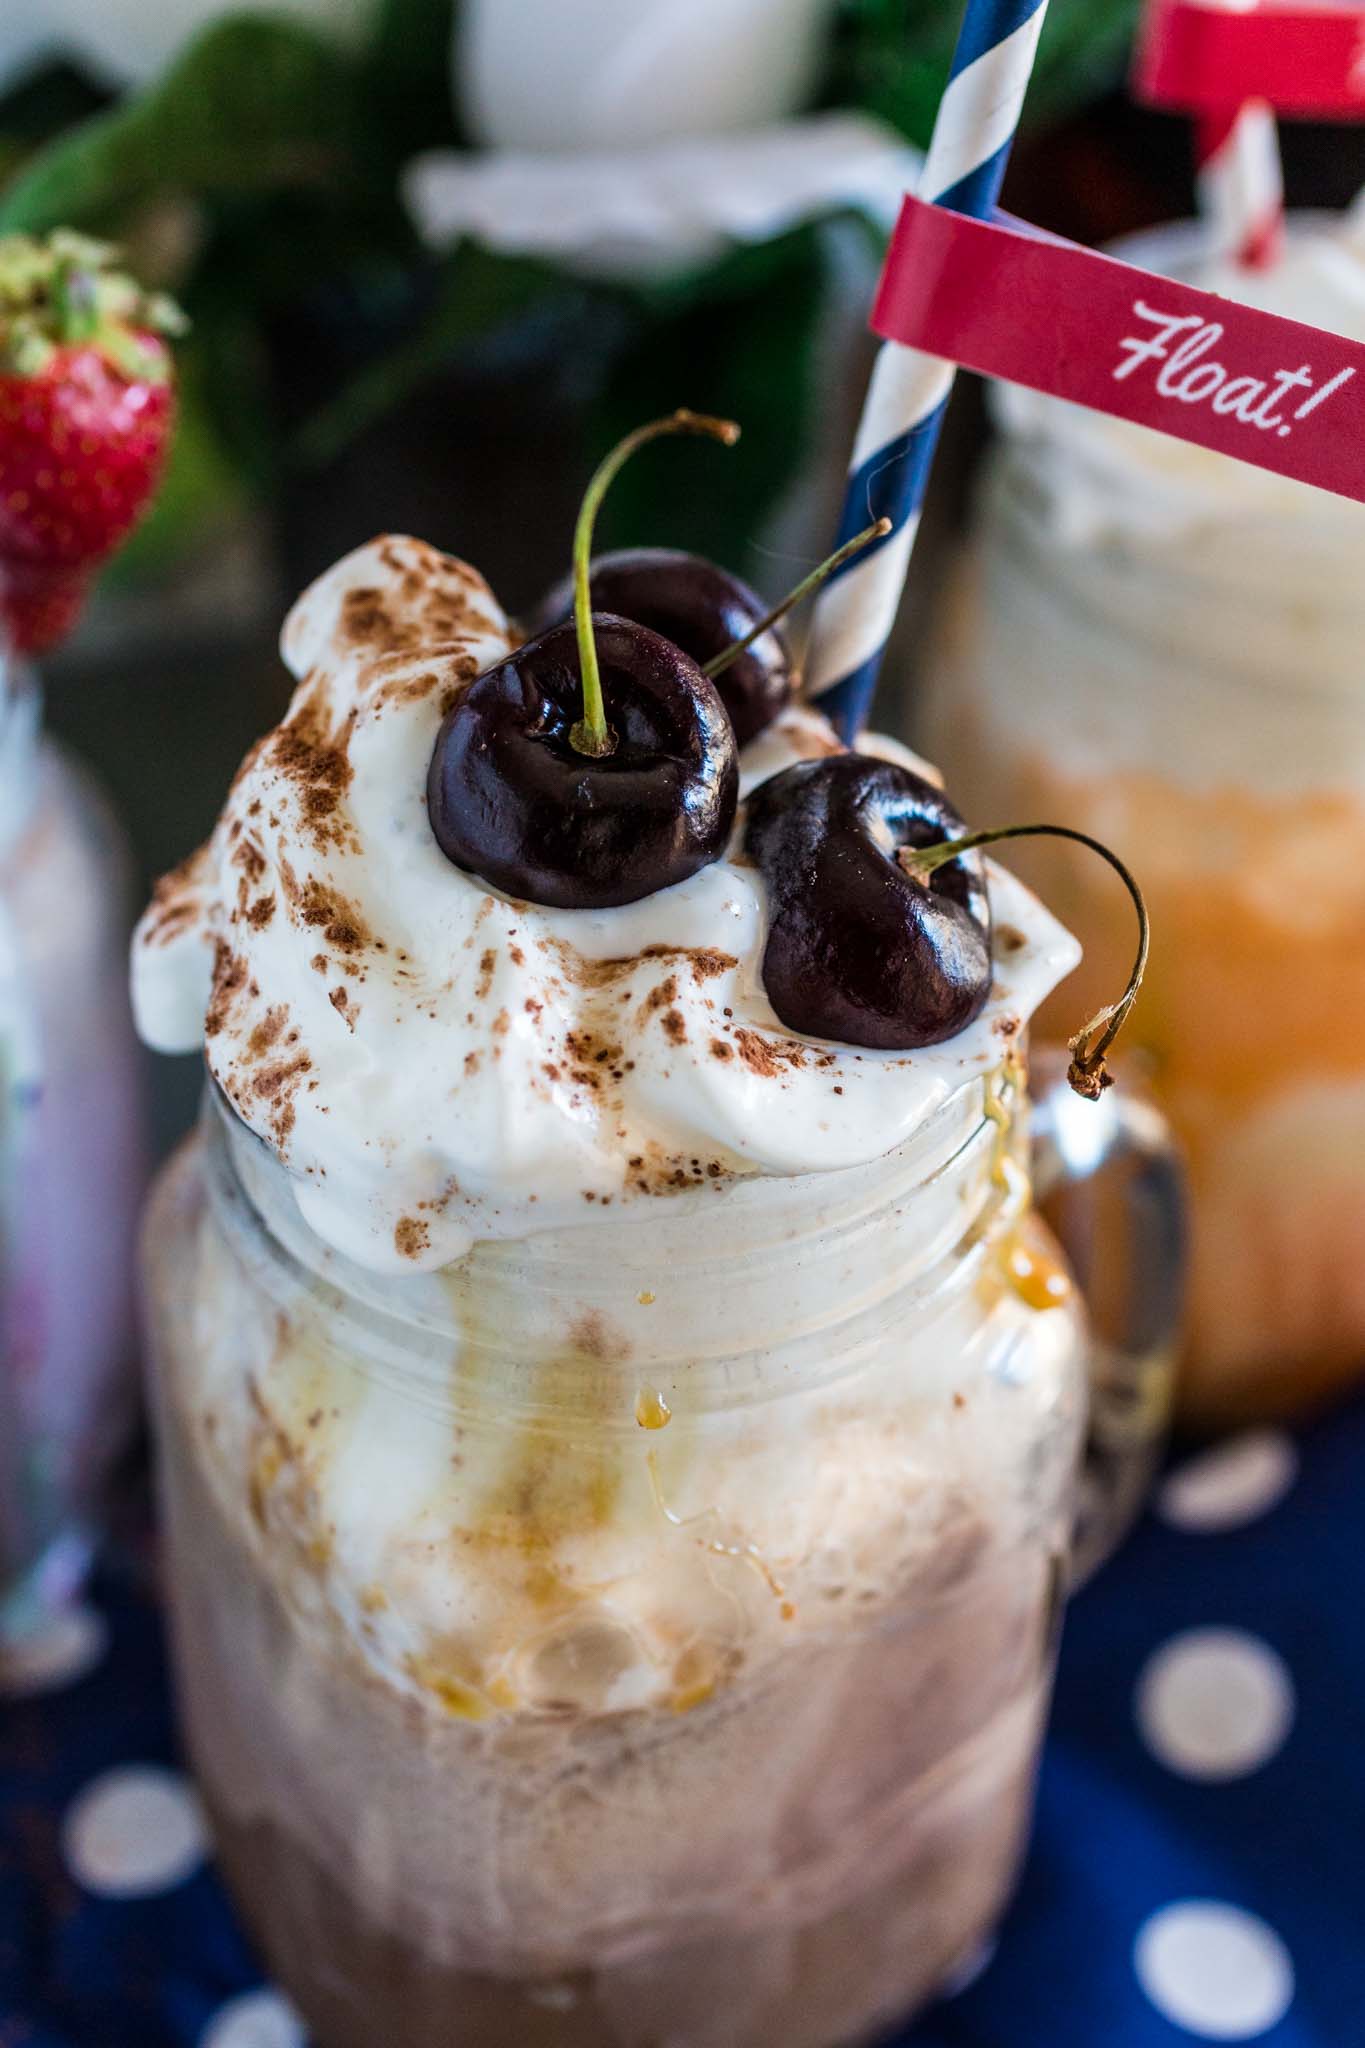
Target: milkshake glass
{"x": 618, "y": 1456}
{"x": 1163, "y": 646}
{"x": 71, "y": 1161}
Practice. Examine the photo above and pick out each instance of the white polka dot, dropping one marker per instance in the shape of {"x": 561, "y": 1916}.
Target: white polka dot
{"x": 133, "y": 1831}
{"x": 258, "y": 2019}
{"x": 62, "y": 1651}
{"x": 1214, "y": 1970}
{"x": 1214, "y": 1703}
{"x": 1230, "y": 1485}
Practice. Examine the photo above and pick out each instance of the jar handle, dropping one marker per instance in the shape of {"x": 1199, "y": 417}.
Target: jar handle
{"x": 1109, "y": 1180}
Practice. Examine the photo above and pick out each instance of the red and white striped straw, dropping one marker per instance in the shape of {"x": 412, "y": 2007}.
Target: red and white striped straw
{"x": 1241, "y": 183}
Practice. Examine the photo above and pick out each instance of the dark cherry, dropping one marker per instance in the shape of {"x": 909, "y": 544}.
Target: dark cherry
{"x": 703, "y": 609}
{"x": 858, "y": 949}
{"x": 512, "y": 799}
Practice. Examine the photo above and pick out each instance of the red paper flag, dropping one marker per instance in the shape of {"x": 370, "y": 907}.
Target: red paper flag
{"x": 1306, "y": 57}
{"x": 1011, "y": 302}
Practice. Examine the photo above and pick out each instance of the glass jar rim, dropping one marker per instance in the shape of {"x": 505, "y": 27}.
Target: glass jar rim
{"x": 412, "y": 1331}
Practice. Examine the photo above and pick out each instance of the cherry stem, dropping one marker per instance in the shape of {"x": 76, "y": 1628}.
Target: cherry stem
{"x": 1088, "y": 1074}
{"x": 720, "y": 662}
{"x": 592, "y": 734}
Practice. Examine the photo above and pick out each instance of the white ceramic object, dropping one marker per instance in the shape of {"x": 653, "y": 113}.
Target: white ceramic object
{"x": 627, "y": 211}
{"x": 620, "y": 74}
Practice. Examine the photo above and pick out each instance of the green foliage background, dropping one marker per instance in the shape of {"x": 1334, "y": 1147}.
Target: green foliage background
{"x": 267, "y": 160}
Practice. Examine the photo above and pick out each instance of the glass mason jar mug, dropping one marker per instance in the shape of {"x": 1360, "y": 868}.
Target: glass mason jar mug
{"x": 638, "y": 1626}
{"x": 71, "y": 1162}
{"x": 1164, "y": 648}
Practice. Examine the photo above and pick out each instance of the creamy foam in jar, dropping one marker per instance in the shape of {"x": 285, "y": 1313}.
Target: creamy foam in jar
{"x": 619, "y": 1454}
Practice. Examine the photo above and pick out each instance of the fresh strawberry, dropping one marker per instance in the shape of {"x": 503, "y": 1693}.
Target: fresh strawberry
{"x": 86, "y": 407}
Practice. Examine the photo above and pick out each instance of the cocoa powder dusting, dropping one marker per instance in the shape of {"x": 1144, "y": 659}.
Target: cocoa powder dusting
{"x": 439, "y": 602}
{"x": 365, "y": 622}
{"x": 411, "y": 1237}
{"x": 316, "y": 760}
{"x": 175, "y": 899}
{"x": 277, "y": 1086}
{"x": 659, "y": 998}
{"x": 165, "y": 924}
{"x": 318, "y": 904}
{"x": 706, "y": 961}
{"x": 229, "y": 977}
{"x": 594, "y": 1060}
{"x": 248, "y": 856}
{"x": 767, "y": 1056}
{"x": 273, "y": 1083}
{"x": 582, "y": 972}
{"x": 267, "y": 1032}
{"x": 666, "y": 1173}
{"x": 455, "y": 670}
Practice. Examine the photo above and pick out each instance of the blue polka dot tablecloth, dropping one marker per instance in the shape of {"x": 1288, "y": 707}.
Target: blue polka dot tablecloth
{"x": 1197, "y": 1870}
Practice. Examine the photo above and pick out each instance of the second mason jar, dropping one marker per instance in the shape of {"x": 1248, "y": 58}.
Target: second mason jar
{"x": 629, "y": 1629}
{"x": 1164, "y": 648}
{"x": 72, "y": 1164}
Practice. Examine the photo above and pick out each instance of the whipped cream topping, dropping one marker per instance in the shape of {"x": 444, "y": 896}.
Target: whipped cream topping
{"x": 1103, "y": 476}
{"x": 434, "y": 1063}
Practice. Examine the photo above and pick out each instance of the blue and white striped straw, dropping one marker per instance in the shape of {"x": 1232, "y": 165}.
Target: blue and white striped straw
{"x": 908, "y": 394}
